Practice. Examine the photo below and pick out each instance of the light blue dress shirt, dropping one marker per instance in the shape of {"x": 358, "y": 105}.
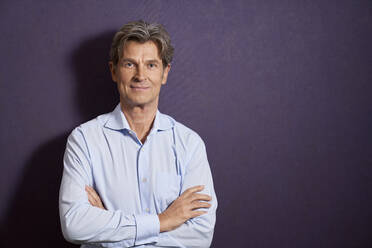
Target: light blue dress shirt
{"x": 135, "y": 182}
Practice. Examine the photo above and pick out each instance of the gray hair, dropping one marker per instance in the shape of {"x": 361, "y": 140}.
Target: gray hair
{"x": 142, "y": 32}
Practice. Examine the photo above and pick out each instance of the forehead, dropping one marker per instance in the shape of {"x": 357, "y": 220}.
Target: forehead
{"x": 134, "y": 49}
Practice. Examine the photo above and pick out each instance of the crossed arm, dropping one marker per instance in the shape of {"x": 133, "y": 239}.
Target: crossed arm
{"x": 182, "y": 224}
{"x": 182, "y": 209}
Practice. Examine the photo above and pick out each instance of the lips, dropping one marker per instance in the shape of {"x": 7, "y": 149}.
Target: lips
{"x": 139, "y": 87}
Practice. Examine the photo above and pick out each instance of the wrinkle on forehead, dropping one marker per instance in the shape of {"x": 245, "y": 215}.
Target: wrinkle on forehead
{"x": 141, "y": 51}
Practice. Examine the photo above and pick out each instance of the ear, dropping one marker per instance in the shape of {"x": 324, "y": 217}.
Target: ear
{"x": 165, "y": 74}
{"x": 113, "y": 71}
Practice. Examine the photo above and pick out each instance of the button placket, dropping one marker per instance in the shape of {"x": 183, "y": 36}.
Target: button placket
{"x": 143, "y": 169}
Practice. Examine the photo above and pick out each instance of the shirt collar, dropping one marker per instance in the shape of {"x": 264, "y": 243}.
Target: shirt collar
{"x": 117, "y": 121}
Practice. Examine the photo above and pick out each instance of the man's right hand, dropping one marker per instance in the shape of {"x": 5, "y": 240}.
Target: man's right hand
{"x": 184, "y": 208}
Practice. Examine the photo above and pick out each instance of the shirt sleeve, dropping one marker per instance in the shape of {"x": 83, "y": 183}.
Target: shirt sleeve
{"x": 83, "y": 223}
{"x": 196, "y": 232}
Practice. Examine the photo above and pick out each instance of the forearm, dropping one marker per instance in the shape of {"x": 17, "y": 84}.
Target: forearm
{"x": 83, "y": 223}
{"x": 197, "y": 232}
{"x": 194, "y": 232}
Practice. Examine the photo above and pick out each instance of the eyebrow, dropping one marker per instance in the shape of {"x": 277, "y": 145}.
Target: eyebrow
{"x": 134, "y": 62}
{"x": 154, "y": 61}
{"x": 128, "y": 60}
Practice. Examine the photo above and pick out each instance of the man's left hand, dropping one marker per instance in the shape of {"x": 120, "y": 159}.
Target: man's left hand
{"x": 94, "y": 198}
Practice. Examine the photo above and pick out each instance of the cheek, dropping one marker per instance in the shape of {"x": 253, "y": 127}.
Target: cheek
{"x": 124, "y": 75}
{"x": 124, "y": 79}
{"x": 158, "y": 77}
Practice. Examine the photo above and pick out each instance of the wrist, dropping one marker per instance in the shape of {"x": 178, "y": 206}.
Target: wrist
{"x": 163, "y": 222}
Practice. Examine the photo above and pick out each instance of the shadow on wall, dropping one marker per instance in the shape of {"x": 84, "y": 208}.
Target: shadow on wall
{"x": 33, "y": 218}
{"x": 96, "y": 93}
{"x": 33, "y": 215}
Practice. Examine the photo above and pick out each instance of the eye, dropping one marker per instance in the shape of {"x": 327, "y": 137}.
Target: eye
{"x": 152, "y": 65}
{"x": 128, "y": 64}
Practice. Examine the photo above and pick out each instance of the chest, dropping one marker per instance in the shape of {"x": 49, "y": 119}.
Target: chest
{"x": 137, "y": 177}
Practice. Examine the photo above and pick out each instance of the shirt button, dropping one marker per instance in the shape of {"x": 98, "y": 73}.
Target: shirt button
{"x": 144, "y": 180}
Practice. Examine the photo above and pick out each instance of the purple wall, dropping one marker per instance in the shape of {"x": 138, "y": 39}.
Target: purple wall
{"x": 279, "y": 90}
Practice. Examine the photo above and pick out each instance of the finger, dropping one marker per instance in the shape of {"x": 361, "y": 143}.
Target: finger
{"x": 94, "y": 201}
{"x": 197, "y": 213}
{"x": 91, "y": 201}
{"x": 93, "y": 193}
{"x": 89, "y": 189}
{"x": 193, "y": 189}
{"x": 200, "y": 197}
{"x": 94, "y": 198}
{"x": 196, "y": 205}
{"x": 91, "y": 197}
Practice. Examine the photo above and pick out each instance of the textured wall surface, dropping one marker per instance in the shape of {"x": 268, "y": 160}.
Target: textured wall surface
{"x": 279, "y": 90}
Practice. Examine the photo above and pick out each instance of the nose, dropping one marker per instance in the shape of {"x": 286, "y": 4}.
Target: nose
{"x": 139, "y": 76}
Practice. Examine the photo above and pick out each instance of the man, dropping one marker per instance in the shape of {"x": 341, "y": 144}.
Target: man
{"x": 137, "y": 177}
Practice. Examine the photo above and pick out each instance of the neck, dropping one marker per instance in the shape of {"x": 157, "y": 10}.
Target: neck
{"x": 140, "y": 118}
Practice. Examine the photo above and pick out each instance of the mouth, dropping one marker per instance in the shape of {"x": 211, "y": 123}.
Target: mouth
{"x": 139, "y": 88}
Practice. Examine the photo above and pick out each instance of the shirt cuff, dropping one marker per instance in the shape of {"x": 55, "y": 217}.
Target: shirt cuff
{"x": 148, "y": 228}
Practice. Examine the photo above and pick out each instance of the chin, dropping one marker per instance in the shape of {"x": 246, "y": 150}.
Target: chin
{"x": 138, "y": 102}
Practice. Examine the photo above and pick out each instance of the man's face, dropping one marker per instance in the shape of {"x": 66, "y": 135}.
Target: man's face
{"x": 139, "y": 74}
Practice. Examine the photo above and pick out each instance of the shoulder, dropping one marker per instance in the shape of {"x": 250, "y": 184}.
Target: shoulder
{"x": 188, "y": 144}
{"x": 90, "y": 128}
{"x": 187, "y": 133}
{"x": 184, "y": 135}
